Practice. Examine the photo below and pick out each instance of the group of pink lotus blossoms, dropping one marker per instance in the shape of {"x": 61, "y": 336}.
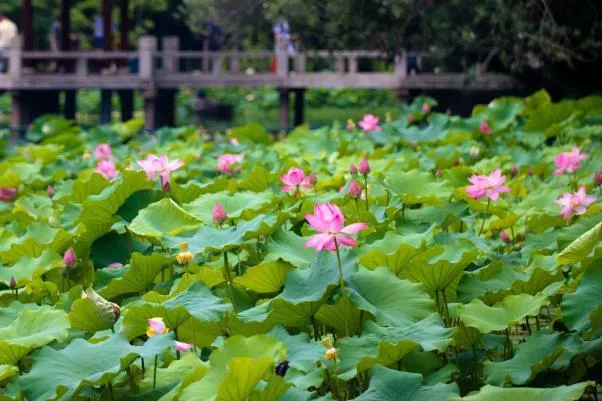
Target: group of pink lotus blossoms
{"x": 160, "y": 166}
{"x": 106, "y": 165}
{"x": 573, "y": 203}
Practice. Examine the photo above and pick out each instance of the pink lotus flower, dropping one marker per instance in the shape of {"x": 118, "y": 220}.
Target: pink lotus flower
{"x": 485, "y": 129}
{"x": 156, "y": 326}
{"x": 219, "y": 214}
{"x": 12, "y": 283}
{"x": 426, "y": 108}
{"x": 295, "y": 179}
{"x": 161, "y": 166}
{"x": 226, "y": 162}
{"x": 107, "y": 169}
{"x": 575, "y": 203}
{"x": 369, "y": 123}
{"x": 598, "y": 178}
{"x": 569, "y": 161}
{"x": 355, "y": 190}
{"x": 505, "y": 237}
{"x": 353, "y": 169}
{"x": 103, "y": 152}
{"x": 490, "y": 185}
{"x": 183, "y": 347}
{"x": 115, "y": 265}
{"x": 50, "y": 191}
{"x": 329, "y": 221}
{"x": 69, "y": 258}
{"x": 8, "y": 194}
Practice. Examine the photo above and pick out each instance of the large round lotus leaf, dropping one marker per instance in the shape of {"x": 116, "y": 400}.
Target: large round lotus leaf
{"x": 236, "y": 369}
{"x": 581, "y": 309}
{"x": 38, "y": 238}
{"x": 30, "y": 330}
{"x": 288, "y": 246}
{"x": 234, "y": 204}
{"x": 139, "y": 277}
{"x": 265, "y": 278}
{"x": 392, "y": 385}
{"x": 560, "y": 393}
{"x": 501, "y": 315}
{"x": 163, "y": 217}
{"x": 418, "y": 187}
{"x": 172, "y": 373}
{"x": 343, "y": 316}
{"x": 389, "y": 299}
{"x": 29, "y": 268}
{"x": 61, "y": 374}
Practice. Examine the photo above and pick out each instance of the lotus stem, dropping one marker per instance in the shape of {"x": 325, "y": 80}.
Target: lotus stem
{"x": 485, "y": 217}
{"x": 155, "y": 372}
{"x": 366, "y": 188}
{"x": 229, "y": 281}
{"x": 340, "y": 264}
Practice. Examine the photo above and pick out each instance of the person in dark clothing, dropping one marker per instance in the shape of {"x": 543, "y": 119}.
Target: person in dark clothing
{"x": 213, "y": 35}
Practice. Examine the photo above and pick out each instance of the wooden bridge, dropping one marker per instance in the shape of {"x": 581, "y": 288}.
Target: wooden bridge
{"x": 34, "y": 78}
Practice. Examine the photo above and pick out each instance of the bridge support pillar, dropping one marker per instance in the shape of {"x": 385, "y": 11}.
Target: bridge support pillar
{"x": 159, "y": 108}
{"x": 283, "y": 121}
{"x": 70, "y": 107}
{"x": 126, "y": 100}
{"x": 106, "y": 107}
{"x": 17, "y": 118}
{"x": 299, "y": 105}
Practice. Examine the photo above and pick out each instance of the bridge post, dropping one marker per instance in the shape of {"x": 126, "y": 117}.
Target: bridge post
{"x": 401, "y": 72}
{"x": 283, "y": 110}
{"x": 147, "y": 46}
{"x": 171, "y": 45}
{"x": 15, "y": 66}
{"x": 299, "y": 105}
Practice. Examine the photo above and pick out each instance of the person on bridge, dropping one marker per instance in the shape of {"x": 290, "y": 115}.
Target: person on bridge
{"x": 8, "y": 33}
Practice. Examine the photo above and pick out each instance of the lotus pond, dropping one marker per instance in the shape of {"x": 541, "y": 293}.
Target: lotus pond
{"x": 432, "y": 257}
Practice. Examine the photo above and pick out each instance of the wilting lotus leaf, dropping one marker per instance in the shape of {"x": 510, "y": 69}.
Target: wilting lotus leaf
{"x": 288, "y": 246}
{"x": 139, "y": 277}
{"x": 501, "y": 315}
{"x": 29, "y": 268}
{"x": 92, "y": 313}
{"x": 537, "y": 354}
{"x": 30, "y": 330}
{"x": 234, "y": 204}
{"x": 392, "y": 385}
{"x": 389, "y": 299}
{"x": 236, "y": 369}
{"x": 418, "y": 187}
{"x": 163, "y": 217}
{"x": 265, "y": 278}
{"x": 581, "y": 309}
{"x": 63, "y": 373}
{"x": 560, "y": 393}
{"x": 387, "y": 345}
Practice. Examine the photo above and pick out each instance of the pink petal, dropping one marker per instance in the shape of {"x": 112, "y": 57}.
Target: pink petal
{"x": 157, "y": 325}
{"x": 319, "y": 241}
{"x": 354, "y": 228}
{"x": 345, "y": 240}
{"x": 183, "y": 347}
{"x": 316, "y": 223}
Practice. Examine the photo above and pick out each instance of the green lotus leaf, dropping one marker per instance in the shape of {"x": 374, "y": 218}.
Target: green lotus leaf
{"x": 343, "y": 316}
{"x": 234, "y": 204}
{"x": 236, "y": 369}
{"x": 29, "y": 268}
{"x": 541, "y": 350}
{"x": 92, "y": 312}
{"x": 139, "y": 277}
{"x": 173, "y": 373}
{"x": 61, "y": 374}
{"x": 38, "y": 207}
{"x": 388, "y": 345}
{"x": 560, "y": 393}
{"x": 265, "y": 278}
{"x": 418, "y": 187}
{"x": 82, "y": 188}
{"x": 391, "y": 385}
{"x": 258, "y": 180}
{"x": 7, "y": 371}
{"x": 582, "y": 246}
{"x": 163, "y": 217}
{"x": 10, "y": 312}
{"x": 581, "y": 309}
{"x": 501, "y": 315}
{"x": 301, "y": 353}
{"x": 38, "y": 238}
{"x": 30, "y": 330}
{"x": 389, "y": 299}
{"x": 288, "y": 246}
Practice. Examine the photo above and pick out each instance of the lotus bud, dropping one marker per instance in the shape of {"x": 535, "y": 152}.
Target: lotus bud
{"x": 505, "y": 237}
{"x": 426, "y": 108}
{"x": 12, "y": 283}
{"x": 353, "y": 169}
{"x": 185, "y": 256}
{"x": 330, "y": 353}
{"x": 219, "y": 214}
{"x": 69, "y": 258}
{"x": 156, "y": 326}
{"x": 355, "y": 190}
{"x": 514, "y": 171}
{"x": 485, "y": 129}
{"x": 598, "y": 178}
{"x": 50, "y": 191}
{"x": 437, "y": 172}
{"x": 312, "y": 179}
{"x": 410, "y": 118}
{"x": 364, "y": 167}
{"x": 108, "y": 312}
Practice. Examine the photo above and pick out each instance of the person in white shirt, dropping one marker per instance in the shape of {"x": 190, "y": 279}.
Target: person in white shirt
{"x": 8, "y": 33}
